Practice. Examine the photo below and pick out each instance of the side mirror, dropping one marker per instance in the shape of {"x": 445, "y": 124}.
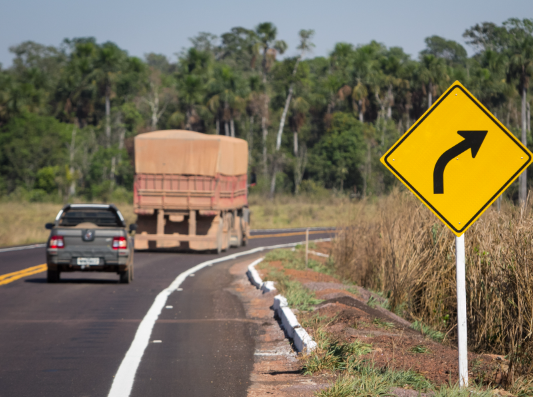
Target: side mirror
{"x": 49, "y": 226}
{"x": 133, "y": 227}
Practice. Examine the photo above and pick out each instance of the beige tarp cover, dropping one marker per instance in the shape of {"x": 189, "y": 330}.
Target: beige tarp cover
{"x": 190, "y": 153}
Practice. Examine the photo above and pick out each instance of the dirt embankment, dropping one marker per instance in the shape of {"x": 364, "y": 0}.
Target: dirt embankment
{"x": 350, "y": 314}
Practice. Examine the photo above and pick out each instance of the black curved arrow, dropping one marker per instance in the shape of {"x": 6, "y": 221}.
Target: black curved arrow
{"x": 472, "y": 140}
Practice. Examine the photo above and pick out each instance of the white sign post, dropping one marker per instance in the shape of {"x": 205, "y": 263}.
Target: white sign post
{"x": 449, "y": 159}
{"x": 461, "y": 309}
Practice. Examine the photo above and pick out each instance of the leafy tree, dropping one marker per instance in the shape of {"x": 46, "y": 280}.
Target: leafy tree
{"x": 520, "y": 70}
{"x": 432, "y": 73}
{"x": 453, "y": 52}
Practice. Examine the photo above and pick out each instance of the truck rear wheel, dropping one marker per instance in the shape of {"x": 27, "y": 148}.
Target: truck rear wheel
{"x": 52, "y": 276}
{"x": 244, "y": 235}
{"x": 236, "y": 233}
{"x": 220, "y": 232}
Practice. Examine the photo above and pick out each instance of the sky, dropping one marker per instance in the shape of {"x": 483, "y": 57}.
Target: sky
{"x": 164, "y": 26}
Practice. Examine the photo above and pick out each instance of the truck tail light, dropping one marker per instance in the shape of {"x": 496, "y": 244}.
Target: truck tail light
{"x": 120, "y": 243}
{"x": 56, "y": 242}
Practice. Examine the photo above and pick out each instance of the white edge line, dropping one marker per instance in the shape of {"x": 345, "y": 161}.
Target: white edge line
{"x": 24, "y": 247}
{"x": 123, "y": 381}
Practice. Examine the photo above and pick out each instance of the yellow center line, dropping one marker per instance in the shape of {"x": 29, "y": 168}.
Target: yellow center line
{"x": 10, "y": 277}
{"x": 291, "y": 234}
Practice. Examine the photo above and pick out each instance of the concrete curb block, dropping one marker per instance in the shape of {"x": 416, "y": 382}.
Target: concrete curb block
{"x": 253, "y": 275}
{"x": 318, "y": 254}
{"x": 268, "y": 286}
{"x": 255, "y": 279}
{"x": 302, "y": 341}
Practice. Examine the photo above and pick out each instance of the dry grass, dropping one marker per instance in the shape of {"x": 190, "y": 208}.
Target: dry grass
{"x": 297, "y": 211}
{"x": 23, "y": 223}
{"x": 398, "y": 247}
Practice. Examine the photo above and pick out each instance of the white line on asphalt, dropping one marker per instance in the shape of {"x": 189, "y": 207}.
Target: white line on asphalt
{"x": 24, "y": 247}
{"x": 123, "y": 381}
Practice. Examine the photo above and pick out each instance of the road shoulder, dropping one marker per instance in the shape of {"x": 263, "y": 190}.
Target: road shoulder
{"x": 276, "y": 370}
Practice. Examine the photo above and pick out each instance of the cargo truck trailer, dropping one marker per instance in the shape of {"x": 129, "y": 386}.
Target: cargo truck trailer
{"x": 190, "y": 191}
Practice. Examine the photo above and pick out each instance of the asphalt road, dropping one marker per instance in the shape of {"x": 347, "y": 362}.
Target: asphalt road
{"x": 69, "y": 339}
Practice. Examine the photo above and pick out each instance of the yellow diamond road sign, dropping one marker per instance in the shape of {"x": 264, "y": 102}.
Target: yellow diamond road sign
{"x": 457, "y": 158}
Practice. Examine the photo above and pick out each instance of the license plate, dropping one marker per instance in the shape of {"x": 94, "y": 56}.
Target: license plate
{"x": 88, "y": 261}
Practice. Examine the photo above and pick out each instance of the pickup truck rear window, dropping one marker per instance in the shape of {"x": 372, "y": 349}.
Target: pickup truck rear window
{"x": 98, "y": 217}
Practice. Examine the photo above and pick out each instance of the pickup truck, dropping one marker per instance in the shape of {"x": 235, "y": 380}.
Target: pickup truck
{"x": 88, "y": 238}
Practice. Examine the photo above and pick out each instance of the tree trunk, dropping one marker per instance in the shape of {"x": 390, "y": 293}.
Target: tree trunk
{"x": 361, "y": 114}
{"x": 188, "y": 126}
{"x": 155, "y": 109}
{"x": 217, "y": 123}
{"x": 295, "y": 142}
{"x": 250, "y": 140}
{"x": 273, "y": 180}
{"x": 430, "y": 94}
{"x": 108, "y": 116}
{"x": 523, "y": 176}
{"x": 232, "y": 127}
{"x": 287, "y": 104}
{"x": 226, "y": 128}
{"x": 299, "y": 169}
{"x": 389, "y": 104}
{"x": 367, "y": 169}
{"x": 265, "y": 133}
{"x": 528, "y": 117}
{"x": 72, "y": 189}
{"x": 283, "y": 117}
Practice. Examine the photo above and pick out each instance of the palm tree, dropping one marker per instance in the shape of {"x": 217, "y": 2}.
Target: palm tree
{"x": 109, "y": 62}
{"x": 305, "y": 45}
{"x": 266, "y": 35}
{"x": 300, "y": 108}
{"x": 190, "y": 88}
{"x": 432, "y": 72}
{"x": 520, "y": 70}
{"x": 360, "y": 99}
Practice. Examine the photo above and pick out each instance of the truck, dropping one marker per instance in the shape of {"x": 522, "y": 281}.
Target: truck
{"x": 190, "y": 191}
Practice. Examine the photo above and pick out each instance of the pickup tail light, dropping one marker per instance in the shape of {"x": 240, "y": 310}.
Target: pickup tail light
{"x": 56, "y": 242}
{"x": 120, "y": 243}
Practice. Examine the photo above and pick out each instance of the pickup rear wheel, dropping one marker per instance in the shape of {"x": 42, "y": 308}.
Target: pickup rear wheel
{"x": 52, "y": 276}
{"x": 125, "y": 276}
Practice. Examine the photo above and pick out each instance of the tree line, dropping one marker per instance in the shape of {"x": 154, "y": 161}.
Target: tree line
{"x": 68, "y": 114}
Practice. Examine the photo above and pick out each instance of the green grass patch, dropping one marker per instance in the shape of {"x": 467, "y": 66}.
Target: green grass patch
{"x": 382, "y": 323}
{"x": 296, "y": 260}
{"x": 333, "y": 355}
{"x": 373, "y": 302}
{"x": 419, "y": 349}
{"x": 456, "y": 391}
{"x": 298, "y": 296}
{"x": 437, "y": 336}
{"x": 315, "y": 321}
{"x": 363, "y": 386}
